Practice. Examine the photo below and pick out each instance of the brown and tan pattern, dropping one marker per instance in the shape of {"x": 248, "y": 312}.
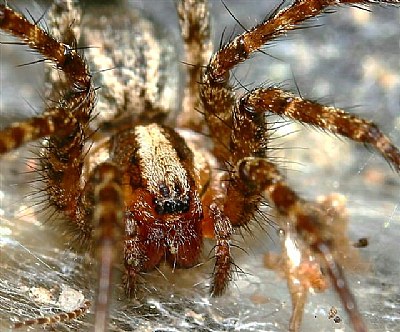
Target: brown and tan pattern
{"x": 136, "y": 191}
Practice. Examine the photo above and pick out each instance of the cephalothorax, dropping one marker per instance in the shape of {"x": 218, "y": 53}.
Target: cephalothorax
{"x": 135, "y": 177}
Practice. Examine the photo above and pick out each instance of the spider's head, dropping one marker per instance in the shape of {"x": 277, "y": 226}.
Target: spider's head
{"x": 163, "y": 217}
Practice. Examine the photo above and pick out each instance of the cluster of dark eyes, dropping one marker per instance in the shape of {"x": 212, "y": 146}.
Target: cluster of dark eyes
{"x": 171, "y": 204}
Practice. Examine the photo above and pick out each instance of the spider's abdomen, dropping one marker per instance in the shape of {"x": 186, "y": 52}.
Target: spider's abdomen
{"x": 132, "y": 61}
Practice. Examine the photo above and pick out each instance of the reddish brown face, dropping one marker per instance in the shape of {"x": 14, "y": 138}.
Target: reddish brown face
{"x": 163, "y": 210}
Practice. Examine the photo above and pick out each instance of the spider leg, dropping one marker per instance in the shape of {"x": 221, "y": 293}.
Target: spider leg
{"x": 74, "y": 108}
{"x": 108, "y": 225}
{"x": 254, "y": 175}
{"x": 195, "y": 28}
{"x": 306, "y": 219}
{"x": 66, "y": 122}
{"x": 64, "y": 316}
{"x": 55, "y": 120}
{"x": 328, "y": 118}
{"x": 105, "y": 189}
{"x": 63, "y": 55}
{"x": 223, "y": 259}
{"x": 240, "y": 48}
{"x": 216, "y": 92}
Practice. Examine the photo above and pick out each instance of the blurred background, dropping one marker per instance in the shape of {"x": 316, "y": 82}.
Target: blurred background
{"x": 348, "y": 59}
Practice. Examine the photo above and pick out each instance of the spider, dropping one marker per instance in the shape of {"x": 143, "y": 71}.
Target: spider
{"x": 113, "y": 165}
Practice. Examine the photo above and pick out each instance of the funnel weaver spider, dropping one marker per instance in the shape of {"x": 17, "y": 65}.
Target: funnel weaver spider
{"x": 128, "y": 182}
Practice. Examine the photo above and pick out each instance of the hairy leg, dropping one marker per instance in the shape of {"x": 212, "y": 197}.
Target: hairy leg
{"x": 65, "y": 316}
{"x": 328, "y": 118}
{"x": 223, "y": 258}
{"x": 108, "y": 223}
{"x": 65, "y": 122}
{"x": 308, "y": 221}
{"x": 216, "y": 91}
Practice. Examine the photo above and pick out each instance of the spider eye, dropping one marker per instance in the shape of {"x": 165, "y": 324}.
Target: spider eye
{"x": 177, "y": 190}
{"x": 172, "y": 205}
{"x": 169, "y": 206}
{"x": 164, "y": 190}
